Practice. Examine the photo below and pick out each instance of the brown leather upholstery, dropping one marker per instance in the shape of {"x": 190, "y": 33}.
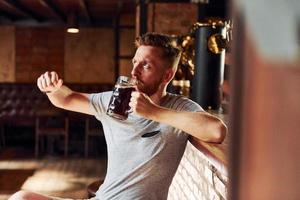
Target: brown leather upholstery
{"x": 20, "y": 102}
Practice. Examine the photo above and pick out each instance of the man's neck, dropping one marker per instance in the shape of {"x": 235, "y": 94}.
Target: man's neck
{"x": 158, "y": 96}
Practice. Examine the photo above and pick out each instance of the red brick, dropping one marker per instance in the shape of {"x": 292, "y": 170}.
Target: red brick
{"x": 36, "y": 50}
{"x": 169, "y": 17}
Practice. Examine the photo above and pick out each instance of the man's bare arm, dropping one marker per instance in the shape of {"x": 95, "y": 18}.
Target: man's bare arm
{"x": 61, "y": 96}
{"x": 200, "y": 125}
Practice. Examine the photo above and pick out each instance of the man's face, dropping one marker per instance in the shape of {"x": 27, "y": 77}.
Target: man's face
{"x": 149, "y": 69}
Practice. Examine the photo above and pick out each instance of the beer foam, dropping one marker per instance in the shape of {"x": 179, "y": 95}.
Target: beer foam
{"x": 124, "y": 86}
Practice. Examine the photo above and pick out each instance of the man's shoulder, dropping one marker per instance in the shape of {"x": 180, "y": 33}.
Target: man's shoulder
{"x": 179, "y": 98}
{"x": 180, "y": 102}
{"x": 101, "y": 96}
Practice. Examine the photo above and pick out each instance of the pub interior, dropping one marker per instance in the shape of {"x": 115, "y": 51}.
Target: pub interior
{"x": 235, "y": 63}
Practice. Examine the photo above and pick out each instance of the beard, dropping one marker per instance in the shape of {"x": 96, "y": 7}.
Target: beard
{"x": 148, "y": 89}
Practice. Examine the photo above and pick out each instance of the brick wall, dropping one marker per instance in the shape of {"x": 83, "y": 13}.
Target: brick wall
{"x": 198, "y": 178}
{"x": 89, "y": 56}
{"x": 171, "y": 18}
{"x": 38, "y": 50}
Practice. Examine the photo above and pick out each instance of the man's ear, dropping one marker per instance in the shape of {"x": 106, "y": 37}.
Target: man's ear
{"x": 169, "y": 74}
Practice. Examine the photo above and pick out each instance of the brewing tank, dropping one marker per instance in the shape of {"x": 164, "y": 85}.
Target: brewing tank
{"x": 210, "y": 42}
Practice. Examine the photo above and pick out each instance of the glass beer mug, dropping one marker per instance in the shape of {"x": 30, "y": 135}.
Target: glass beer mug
{"x": 118, "y": 106}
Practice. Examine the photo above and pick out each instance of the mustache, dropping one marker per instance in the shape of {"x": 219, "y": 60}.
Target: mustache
{"x": 139, "y": 85}
{"x": 138, "y": 82}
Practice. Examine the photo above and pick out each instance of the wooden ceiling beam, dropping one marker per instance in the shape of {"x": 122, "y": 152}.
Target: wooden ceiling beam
{"x": 12, "y": 7}
{"x": 176, "y": 1}
{"x": 84, "y": 7}
{"x": 7, "y": 16}
{"x": 23, "y": 10}
{"x": 54, "y": 9}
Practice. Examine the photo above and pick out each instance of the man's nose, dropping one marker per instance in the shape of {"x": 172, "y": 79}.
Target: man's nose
{"x": 135, "y": 71}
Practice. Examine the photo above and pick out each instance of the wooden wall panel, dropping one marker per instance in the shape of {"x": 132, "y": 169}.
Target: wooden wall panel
{"x": 38, "y": 50}
{"x": 89, "y": 56}
{"x": 171, "y": 18}
{"x": 7, "y": 54}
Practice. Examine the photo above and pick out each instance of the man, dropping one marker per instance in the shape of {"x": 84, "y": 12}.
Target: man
{"x": 143, "y": 151}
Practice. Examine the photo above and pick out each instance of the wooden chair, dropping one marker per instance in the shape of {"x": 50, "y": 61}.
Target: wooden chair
{"x": 93, "y": 128}
{"x": 51, "y": 122}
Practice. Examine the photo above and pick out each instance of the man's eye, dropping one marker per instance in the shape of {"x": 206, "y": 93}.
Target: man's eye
{"x": 146, "y": 66}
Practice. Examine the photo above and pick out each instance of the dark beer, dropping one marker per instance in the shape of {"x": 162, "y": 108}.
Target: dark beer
{"x": 118, "y": 106}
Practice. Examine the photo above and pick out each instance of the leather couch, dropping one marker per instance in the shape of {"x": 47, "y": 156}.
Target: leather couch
{"x": 21, "y": 102}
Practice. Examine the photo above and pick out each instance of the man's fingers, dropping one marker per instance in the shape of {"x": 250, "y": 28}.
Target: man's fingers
{"x": 54, "y": 77}
{"x": 48, "y": 80}
{"x": 133, "y": 100}
{"x": 43, "y": 83}
{"x": 59, "y": 83}
{"x": 134, "y": 94}
{"x": 39, "y": 83}
{"x": 131, "y": 104}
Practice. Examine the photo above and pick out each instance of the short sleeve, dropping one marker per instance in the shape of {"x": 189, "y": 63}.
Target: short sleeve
{"x": 191, "y": 106}
{"x": 182, "y": 103}
{"x": 99, "y": 103}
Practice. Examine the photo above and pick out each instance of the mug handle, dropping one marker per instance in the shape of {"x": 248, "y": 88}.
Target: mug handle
{"x": 129, "y": 111}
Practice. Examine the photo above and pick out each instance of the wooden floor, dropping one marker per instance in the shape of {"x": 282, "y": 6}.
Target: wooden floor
{"x": 63, "y": 177}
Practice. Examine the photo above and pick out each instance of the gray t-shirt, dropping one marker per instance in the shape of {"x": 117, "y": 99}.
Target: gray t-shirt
{"x": 143, "y": 155}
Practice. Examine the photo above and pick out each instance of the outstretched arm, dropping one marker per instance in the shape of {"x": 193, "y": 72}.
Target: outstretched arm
{"x": 61, "y": 96}
{"x": 200, "y": 125}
